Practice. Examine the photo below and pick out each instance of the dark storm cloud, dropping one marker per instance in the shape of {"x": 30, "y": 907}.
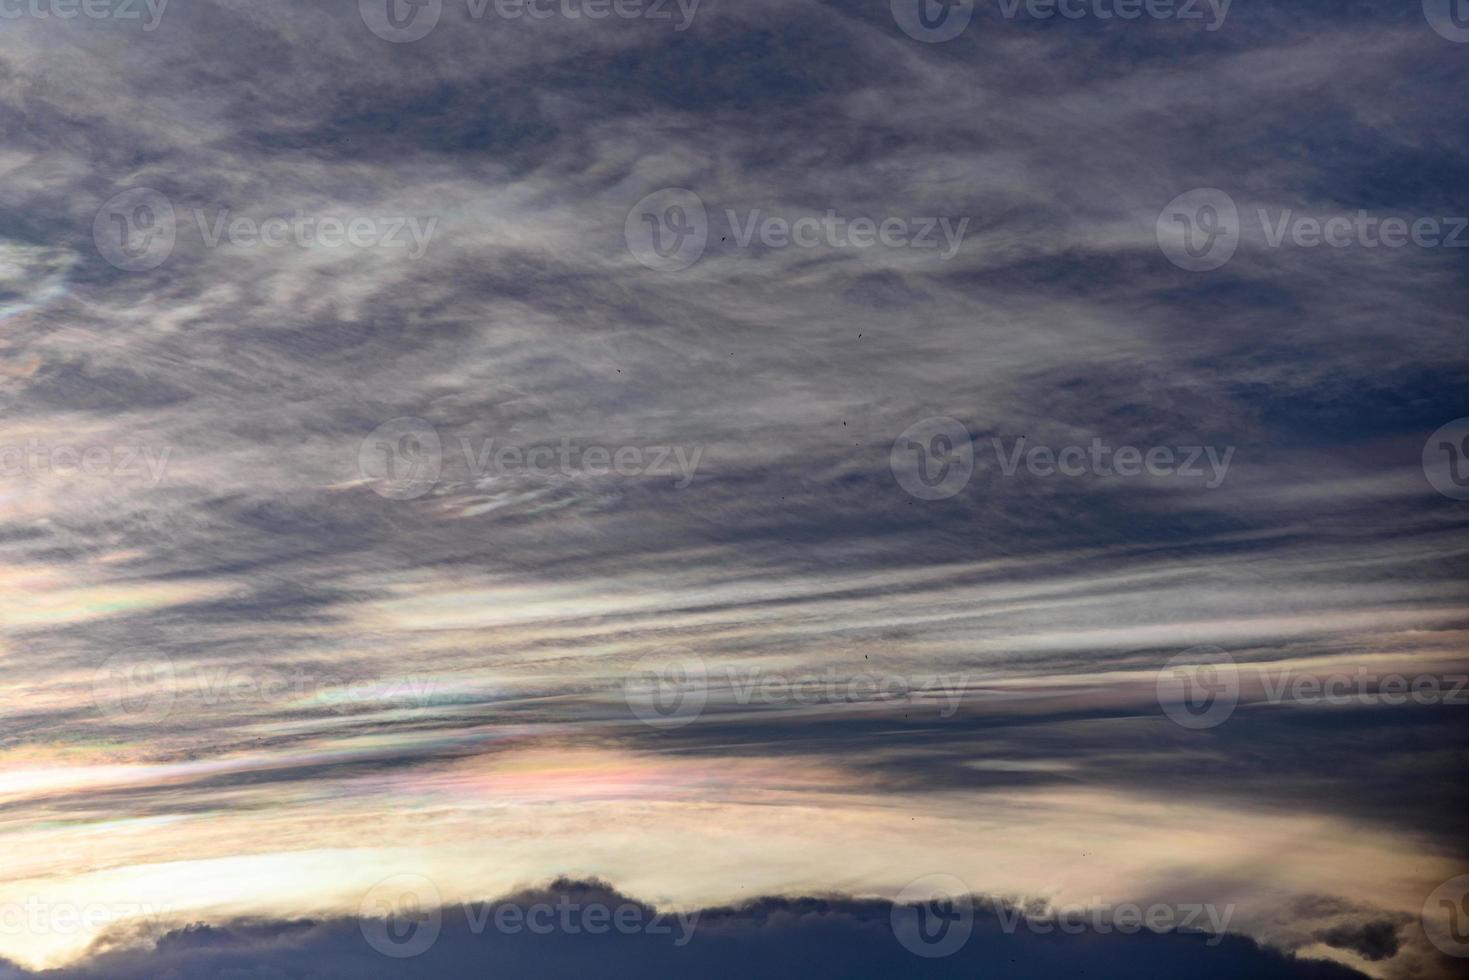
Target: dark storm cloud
{"x": 775, "y": 937}
{"x": 1374, "y": 940}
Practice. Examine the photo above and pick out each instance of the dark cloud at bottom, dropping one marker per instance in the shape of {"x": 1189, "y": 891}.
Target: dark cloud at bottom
{"x": 833, "y": 936}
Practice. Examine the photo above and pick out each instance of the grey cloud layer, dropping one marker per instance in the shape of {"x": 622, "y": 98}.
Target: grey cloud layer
{"x": 526, "y": 320}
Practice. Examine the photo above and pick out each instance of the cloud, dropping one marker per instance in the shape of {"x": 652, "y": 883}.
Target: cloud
{"x": 287, "y": 606}
{"x": 549, "y": 931}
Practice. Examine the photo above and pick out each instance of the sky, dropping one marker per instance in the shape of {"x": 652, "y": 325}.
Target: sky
{"x": 857, "y": 486}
